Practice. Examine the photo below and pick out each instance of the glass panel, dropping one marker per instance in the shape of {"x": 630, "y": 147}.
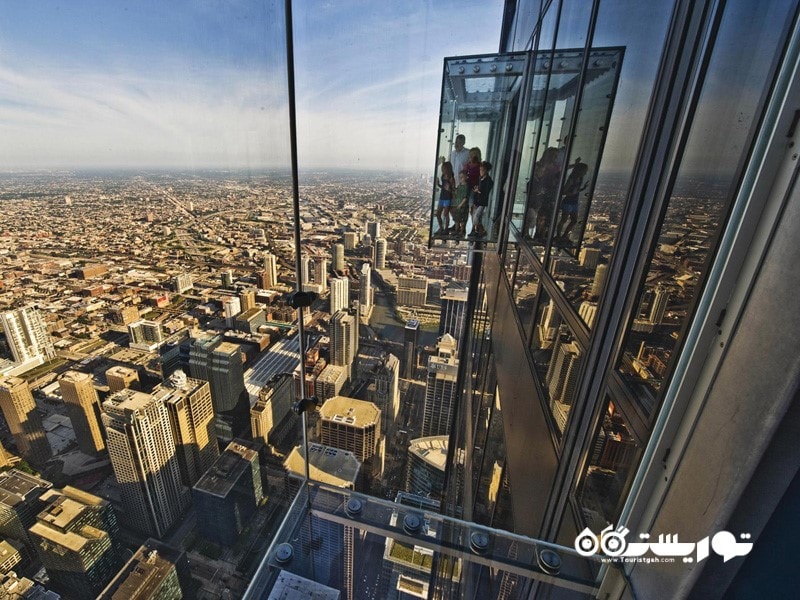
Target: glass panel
{"x": 526, "y": 285}
{"x": 512, "y": 255}
{"x": 585, "y": 237}
{"x": 479, "y": 102}
{"x": 612, "y": 462}
{"x": 557, "y": 359}
{"x": 340, "y": 542}
{"x": 739, "y": 70}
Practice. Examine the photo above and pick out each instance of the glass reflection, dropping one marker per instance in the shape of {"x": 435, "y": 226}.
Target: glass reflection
{"x": 704, "y": 188}
{"x": 612, "y": 460}
{"x": 526, "y": 285}
{"x": 558, "y": 360}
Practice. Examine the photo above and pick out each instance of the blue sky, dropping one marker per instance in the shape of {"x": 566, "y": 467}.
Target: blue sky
{"x": 203, "y": 84}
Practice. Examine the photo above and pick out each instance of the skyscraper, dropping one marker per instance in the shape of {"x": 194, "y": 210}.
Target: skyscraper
{"x": 155, "y": 572}
{"x": 387, "y": 390}
{"x": 306, "y": 269}
{"x": 191, "y": 414}
{"x": 454, "y": 309}
{"x": 340, "y": 294}
{"x": 24, "y": 421}
{"x": 229, "y": 492}
{"x": 83, "y": 409}
{"x": 380, "y": 253}
{"x": 350, "y": 240}
{"x": 365, "y": 290}
{"x": 338, "y": 257}
{"x": 374, "y": 229}
{"x": 321, "y": 274}
{"x": 145, "y": 335}
{"x": 27, "y": 336}
{"x": 247, "y": 299}
{"x": 352, "y": 425}
{"x": 272, "y": 420}
{"x": 440, "y": 388}
{"x": 220, "y": 363}
{"x": 75, "y": 538}
{"x": 343, "y": 334}
{"x": 659, "y": 305}
{"x": 410, "y": 341}
{"x": 271, "y": 271}
{"x": 20, "y": 502}
{"x": 119, "y": 378}
{"x": 143, "y": 454}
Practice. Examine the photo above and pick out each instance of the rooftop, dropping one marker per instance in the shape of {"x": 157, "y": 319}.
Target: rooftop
{"x": 222, "y": 476}
{"x": 330, "y": 465}
{"x": 357, "y": 413}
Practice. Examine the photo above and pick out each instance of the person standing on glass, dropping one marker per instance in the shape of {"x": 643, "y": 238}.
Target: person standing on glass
{"x": 448, "y": 185}
{"x": 459, "y": 155}
{"x": 480, "y": 199}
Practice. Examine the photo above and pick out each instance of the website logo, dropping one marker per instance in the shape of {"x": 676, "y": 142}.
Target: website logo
{"x": 612, "y": 543}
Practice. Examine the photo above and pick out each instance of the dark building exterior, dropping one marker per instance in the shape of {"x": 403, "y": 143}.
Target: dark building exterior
{"x": 228, "y": 494}
{"x": 155, "y": 572}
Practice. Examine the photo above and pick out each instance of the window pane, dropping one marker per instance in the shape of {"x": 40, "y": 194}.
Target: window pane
{"x": 740, "y": 69}
{"x": 526, "y": 285}
{"x": 613, "y": 457}
{"x": 557, "y": 359}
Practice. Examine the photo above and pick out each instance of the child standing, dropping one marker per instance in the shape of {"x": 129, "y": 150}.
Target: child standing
{"x": 461, "y": 205}
{"x": 448, "y": 185}
{"x": 480, "y": 199}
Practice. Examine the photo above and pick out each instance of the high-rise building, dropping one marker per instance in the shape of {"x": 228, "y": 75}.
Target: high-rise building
{"x": 588, "y": 257}
{"x": 270, "y": 271}
{"x": 220, "y": 363}
{"x": 410, "y": 342}
{"x": 271, "y": 417}
{"x": 20, "y": 502}
{"x": 338, "y": 257}
{"x": 155, "y": 572}
{"x": 145, "y": 335}
{"x": 454, "y": 310}
{"x": 350, "y": 240}
{"x": 330, "y": 382}
{"x": 380, "y": 253}
{"x": 247, "y": 299}
{"x": 75, "y": 537}
{"x": 365, "y": 290}
{"x": 343, "y": 333}
{"x": 425, "y": 469}
{"x": 600, "y": 274}
{"x": 26, "y": 334}
{"x": 143, "y": 454}
{"x": 229, "y": 492}
{"x": 24, "y": 421}
{"x": 226, "y": 278}
{"x": 321, "y": 274}
{"x": 386, "y": 396}
{"x": 352, "y": 425}
{"x": 340, "y": 294}
{"x": 191, "y": 415}
{"x": 119, "y": 378}
{"x": 182, "y": 283}
{"x": 440, "y": 388}
{"x": 374, "y": 229}
{"x": 230, "y": 308}
{"x": 412, "y": 290}
{"x": 83, "y": 409}
{"x": 330, "y": 465}
{"x": 659, "y": 305}
{"x": 306, "y": 269}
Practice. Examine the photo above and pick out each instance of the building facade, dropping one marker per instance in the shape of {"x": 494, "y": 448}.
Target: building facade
{"x": 143, "y": 454}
